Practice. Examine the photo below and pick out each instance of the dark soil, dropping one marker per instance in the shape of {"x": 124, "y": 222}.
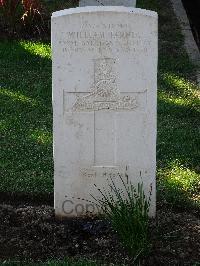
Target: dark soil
{"x": 29, "y": 231}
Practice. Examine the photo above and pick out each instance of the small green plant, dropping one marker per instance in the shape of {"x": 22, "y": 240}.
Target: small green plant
{"x": 127, "y": 209}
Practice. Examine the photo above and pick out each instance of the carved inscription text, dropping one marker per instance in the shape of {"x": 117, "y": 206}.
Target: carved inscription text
{"x": 101, "y": 37}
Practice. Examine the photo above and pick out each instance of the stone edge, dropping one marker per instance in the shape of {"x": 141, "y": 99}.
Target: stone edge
{"x": 119, "y": 9}
{"x": 133, "y": 4}
{"x": 190, "y": 44}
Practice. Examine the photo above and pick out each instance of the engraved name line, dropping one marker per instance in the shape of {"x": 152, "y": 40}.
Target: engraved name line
{"x": 102, "y": 34}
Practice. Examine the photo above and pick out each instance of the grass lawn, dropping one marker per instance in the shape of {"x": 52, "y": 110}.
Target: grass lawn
{"x": 26, "y": 115}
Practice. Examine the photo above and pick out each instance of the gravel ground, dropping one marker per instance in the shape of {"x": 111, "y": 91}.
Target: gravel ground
{"x": 29, "y": 231}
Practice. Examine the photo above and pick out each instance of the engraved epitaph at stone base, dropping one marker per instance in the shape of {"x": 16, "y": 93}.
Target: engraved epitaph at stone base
{"x": 104, "y": 103}
{"x": 128, "y": 3}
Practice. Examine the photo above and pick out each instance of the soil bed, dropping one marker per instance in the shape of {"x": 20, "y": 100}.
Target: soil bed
{"x": 29, "y": 231}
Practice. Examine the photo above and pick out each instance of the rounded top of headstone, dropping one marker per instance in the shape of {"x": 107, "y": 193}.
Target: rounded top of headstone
{"x": 89, "y": 9}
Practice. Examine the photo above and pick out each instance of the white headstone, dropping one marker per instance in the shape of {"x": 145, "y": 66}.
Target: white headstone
{"x": 104, "y": 102}
{"x": 130, "y": 3}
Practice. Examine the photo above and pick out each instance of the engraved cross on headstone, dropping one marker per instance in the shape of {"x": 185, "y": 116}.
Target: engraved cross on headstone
{"x": 104, "y": 101}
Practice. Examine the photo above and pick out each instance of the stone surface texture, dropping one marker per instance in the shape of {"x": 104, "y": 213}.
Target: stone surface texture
{"x": 127, "y": 3}
{"x": 104, "y": 103}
